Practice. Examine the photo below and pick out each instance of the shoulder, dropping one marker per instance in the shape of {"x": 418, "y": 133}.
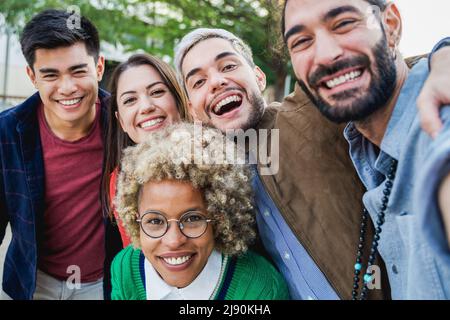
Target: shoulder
{"x": 15, "y": 114}
{"x": 8, "y": 116}
{"x": 259, "y": 278}
{"x": 298, "y": 113}
{"x": 269, "y": 116}
{"x": 125, "y": 261}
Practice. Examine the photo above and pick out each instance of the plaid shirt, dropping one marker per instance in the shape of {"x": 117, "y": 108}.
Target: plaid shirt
{"x": 22, "y": 197}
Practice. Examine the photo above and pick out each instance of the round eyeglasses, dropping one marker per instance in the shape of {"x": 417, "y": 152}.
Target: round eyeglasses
{"x": 192, "y": 224}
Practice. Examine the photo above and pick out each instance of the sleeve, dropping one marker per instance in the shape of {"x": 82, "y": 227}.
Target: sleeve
{"x": 435, "y": 168}
{"x": 412, "y": 61}
{"x": 116, "y": 279}
{"x": 274, "y": 284}
{"x": 3, "y": 211}
{"x": 443, "y": 43}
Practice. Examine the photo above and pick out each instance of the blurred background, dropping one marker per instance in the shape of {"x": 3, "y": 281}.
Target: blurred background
{"x": 129, "y": 26}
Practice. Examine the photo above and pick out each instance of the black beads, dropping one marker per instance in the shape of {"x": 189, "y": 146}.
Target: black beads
{"x": 380, "y": 219}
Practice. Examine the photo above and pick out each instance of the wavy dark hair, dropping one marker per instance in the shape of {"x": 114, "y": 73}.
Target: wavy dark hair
{"x": 116, "y": 139}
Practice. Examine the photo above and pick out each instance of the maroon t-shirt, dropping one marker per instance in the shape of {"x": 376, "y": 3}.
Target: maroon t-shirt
{"x": 73, "y": 226}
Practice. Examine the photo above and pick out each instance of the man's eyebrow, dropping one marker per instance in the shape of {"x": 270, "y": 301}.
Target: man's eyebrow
{"x": 78, "y": 66}
{"x": 71, "y": 69}
{"x": 224, "y": 55}
{"x": 192, "y": 73}
{"x": 295, "y": 29}
{"x": 328, "y": 16}
{"x": 48, "y": 70}
{"x": 217, "y": 58}
{"x": 337, "y": 11}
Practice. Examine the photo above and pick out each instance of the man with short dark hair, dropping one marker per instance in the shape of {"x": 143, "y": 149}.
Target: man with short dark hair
{"x": 352, "y": 70}
{"x": 51, "y": 159}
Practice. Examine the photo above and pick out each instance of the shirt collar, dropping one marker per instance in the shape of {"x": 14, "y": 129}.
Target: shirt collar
{"x": 405, "y": 111}
{"x": 403, "y": 115}
{"x": 200, "y": 289}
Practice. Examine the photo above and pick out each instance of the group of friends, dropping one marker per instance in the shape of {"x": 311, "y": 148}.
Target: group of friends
{"x": 105, "y": 201}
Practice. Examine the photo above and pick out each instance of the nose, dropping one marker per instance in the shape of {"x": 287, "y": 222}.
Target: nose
{"x": 173, "y": 238}
{"x": 146, "y": 105}
{"x": 67, "y": 86}
{"x": 328, "y": 49}
{"x": 218, "y": 81}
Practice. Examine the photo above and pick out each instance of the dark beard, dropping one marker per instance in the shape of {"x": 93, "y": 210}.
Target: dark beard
{"x": 256, "y": 113}
{"x": 381, "y": 88}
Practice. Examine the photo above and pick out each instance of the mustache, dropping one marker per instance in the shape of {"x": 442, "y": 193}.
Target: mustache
{"x": 324, "y": 71}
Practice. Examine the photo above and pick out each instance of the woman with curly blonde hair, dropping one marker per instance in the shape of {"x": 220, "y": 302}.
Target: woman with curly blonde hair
{"x": 188, "y": 211}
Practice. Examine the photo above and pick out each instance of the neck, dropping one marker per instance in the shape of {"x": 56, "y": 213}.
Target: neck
{"x": 374, "y": 126}
{"x": 71, "y": 130}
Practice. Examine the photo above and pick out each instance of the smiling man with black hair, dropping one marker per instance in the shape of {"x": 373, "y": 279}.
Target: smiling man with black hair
{"x": 51, "y": 159}
{"x": 352, "y": 70}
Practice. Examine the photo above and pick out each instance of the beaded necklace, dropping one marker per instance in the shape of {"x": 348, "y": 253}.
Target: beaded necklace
{"x": 374, "y": 249}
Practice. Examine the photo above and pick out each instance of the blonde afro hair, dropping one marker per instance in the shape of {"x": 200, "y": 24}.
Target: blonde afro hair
{"x": 201, "y": 156}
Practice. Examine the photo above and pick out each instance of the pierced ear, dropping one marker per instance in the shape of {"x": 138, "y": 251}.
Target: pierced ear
{"x": 393, "y": 24}
{"x": 260, "y": 78}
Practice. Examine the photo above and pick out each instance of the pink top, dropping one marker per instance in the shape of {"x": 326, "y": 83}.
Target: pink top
{"x": 112, "y": 193}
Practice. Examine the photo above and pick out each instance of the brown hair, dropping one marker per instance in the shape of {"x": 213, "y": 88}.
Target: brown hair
{"x": 116, "y": 139}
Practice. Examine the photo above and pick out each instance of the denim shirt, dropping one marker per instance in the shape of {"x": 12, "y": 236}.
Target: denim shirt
{"x": 405, "y": 142}
{"x": 304, "y": 278}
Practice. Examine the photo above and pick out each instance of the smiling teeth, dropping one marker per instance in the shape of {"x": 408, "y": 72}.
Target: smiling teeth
{"x": 226, "y": 101}
{"x": 151, "y": 123}
{"x": 69, "y": 102}
{"x": 177, "y": 261}
{"x": 343, "y": 79}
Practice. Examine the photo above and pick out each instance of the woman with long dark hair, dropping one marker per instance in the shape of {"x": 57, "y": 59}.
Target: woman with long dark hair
{"x": 145, "y": 97}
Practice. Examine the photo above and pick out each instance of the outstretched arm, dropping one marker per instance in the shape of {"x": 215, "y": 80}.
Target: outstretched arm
{"x": 444, "y": 204}
{"x": 436, "y": 91}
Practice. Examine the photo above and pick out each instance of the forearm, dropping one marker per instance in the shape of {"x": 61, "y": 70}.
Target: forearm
{"x": 440, "y": 54}
{"x": 3, "y": 212}
{"x": 444, "y": 204}
{"x": 440, "y": 60}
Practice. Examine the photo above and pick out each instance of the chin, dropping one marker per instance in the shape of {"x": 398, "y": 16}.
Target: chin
{"x": 179, "y": 282}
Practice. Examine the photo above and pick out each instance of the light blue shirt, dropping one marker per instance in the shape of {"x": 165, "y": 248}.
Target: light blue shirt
{"x": 304, "y": 278}
{"x": 405, "y": 142}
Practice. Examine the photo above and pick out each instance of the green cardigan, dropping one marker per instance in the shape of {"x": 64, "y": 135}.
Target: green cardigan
{"x": 246, "y": 277}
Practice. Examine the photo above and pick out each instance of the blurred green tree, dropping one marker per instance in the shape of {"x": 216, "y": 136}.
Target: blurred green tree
{"x": 156, "y": 26}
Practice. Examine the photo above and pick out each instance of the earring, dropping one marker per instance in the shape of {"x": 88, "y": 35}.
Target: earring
{"x": 394, "y": 52}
